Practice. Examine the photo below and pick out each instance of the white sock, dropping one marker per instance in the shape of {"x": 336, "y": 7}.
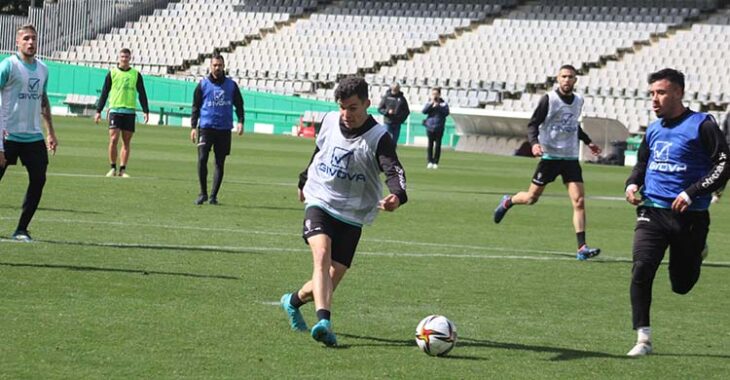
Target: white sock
{"x": 643, "y": 335}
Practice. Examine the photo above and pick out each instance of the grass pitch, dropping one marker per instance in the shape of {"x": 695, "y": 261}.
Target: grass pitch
{"x": 128, "y": 279}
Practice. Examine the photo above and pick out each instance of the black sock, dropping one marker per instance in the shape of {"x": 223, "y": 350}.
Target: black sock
{"x": 123, "y": 168}
{"x": 114, "y": 166}
{"x": 581, "y": 236}
{"x": 296, "y": 301}
{"x": 323, "y": 314}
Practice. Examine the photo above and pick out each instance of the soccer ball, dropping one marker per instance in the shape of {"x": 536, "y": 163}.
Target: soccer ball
{"x": 436, "y": 335}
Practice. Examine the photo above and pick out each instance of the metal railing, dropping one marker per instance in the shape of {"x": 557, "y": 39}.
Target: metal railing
{"x": 65, "y": 23}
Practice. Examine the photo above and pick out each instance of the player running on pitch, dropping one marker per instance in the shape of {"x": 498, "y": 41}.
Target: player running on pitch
{"x": 553, "y": 132}
{"x": 341, "y": 190}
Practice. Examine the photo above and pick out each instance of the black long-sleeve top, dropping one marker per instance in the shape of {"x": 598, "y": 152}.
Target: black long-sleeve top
{"x": 198, "y": 100}
{"x": 141, "y": 93}
{"x": 398, "y": 104}
{"x": 395, "y": 176}
{"x": 714, "y": 144}
{"x": 540, "y": 114}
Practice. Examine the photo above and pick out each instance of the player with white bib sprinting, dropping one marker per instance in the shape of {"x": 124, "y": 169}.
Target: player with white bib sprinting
{"x": 553, "y": 133}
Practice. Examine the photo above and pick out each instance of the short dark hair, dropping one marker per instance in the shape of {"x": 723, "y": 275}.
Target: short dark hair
{"x": 26, "y": 27}
{"x": 568, "y": 67}
{"x": 125, "y": 51}
{"x": 350, "y": 86}
{"x": 436, "y": 89}
{"x": 218, "y": 57}
{"x": 672, "y": 75}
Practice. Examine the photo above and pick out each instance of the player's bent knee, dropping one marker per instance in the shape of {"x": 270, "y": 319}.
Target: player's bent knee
{"x": 642, "y": 273}
{"x": 532, "y": 199}
{"x": 684, "y": 287}
{"x": 579, "y": 203}
{"x": 38, "y": 180}
{"x": 321, "y": 258}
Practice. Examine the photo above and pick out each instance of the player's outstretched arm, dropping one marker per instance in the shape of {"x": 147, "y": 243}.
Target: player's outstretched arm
{"x": 537, "y": 150}
{"x": 389, "y": 203}
{"x": 636, "y": 178}
{"x": 595, "y": 149}
{"x": 52, "y": 141}
{"x": 681, "y": 203}
{"x": 194, "y": 135}
{"x": 395, "y": 175}
{"x": 631, "y": 197}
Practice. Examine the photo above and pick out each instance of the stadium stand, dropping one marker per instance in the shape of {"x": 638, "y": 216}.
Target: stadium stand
{"x": 498, "y": 55}
{"x": 622, "y": 84}
{"x": 520, "y": 52}
{"x": 314, "y": 52}
{"x": 65, "y": 23}
{"x": 166, "y": 40}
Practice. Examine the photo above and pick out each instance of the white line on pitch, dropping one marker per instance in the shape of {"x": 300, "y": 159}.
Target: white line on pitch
{"x": 149, "y": 178}
{"x": 242, "y": 249}
{"x": 284, "y": 184}
{"x": 255, "y": 232}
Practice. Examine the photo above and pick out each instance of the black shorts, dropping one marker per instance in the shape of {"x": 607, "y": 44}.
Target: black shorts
{"x": 548, "y": 170}
{"x": 218, "y": 139}
{"x": 32, "y": 154}
{"x": 344, "y": 236}
{"x": 123, "y": 121}
{"x": 685, "y": 234}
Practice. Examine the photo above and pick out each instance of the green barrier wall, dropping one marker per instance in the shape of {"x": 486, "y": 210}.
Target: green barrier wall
{"x": 172, "y": 99}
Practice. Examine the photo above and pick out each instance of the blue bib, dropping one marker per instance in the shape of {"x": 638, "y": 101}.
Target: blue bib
{"x": 217, "y": 109}
{"x": 676, "y": 161}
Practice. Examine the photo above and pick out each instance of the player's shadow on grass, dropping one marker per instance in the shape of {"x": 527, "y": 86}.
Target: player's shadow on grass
{"x": 501, "y": 193}
{"x": 601, "y": 261}
{"x": 562, "y": 354}
{"x": 159, "y": 247}
{"x": 716, "y": 356}
{"x": 84, "y": 268}
{"x": 56, "y": 210}
{"x": 267, "y": 208}
{"x": 371, "y": 341}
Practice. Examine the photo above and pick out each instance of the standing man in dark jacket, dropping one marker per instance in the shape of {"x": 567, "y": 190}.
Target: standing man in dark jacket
{"x": 437, "y": 110}
{"x": 213, "y": 102}
{"x": 395, "y": 109}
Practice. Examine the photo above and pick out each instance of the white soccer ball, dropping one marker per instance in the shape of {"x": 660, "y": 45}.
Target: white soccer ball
{"x": 436, "y": 335}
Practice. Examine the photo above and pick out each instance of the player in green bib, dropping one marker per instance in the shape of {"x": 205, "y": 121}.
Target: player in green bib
{"x": 122, "y": 86}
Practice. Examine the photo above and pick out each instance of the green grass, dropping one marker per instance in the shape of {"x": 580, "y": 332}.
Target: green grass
{"x": 128, "y": 279}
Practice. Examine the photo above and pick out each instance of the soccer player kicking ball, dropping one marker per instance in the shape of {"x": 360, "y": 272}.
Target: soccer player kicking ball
{"x": 553, "y": 132}
{"x": 681, "y": 161}
{"x": 341, "y": 190}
